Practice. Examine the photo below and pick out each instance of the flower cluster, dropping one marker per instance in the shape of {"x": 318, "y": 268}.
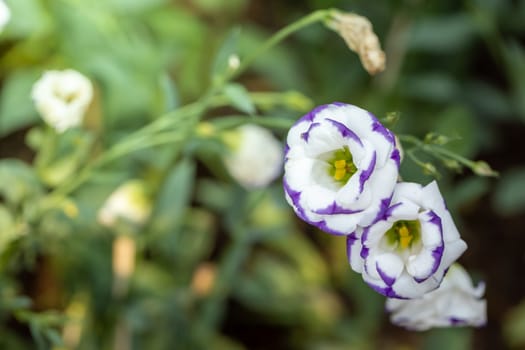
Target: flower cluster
{"x": 341, "y": 175}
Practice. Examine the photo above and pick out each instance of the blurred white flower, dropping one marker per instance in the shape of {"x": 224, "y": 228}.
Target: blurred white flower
{"x": 62, "y": 98}
{"x": 5, "y": 15}
{"x": 256, "y": 156}
{"x": 128, "y": 203}
{"x": 455, "y": 303}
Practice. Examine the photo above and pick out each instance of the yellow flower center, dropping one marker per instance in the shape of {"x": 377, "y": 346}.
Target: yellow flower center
{"x": 341, "y": 165}
{"x": 404, "y": 233}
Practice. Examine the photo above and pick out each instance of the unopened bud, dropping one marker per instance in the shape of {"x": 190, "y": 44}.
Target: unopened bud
{"x": 430, "y": 169}
{"x": 233, "y": 62}
{"x": 436, "y": 139}
{"x": 483, "y": 169}
{"x": 452, "y": 164}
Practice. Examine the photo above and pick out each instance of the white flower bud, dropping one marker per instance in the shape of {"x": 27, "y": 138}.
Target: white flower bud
{"x": 129, "y": 203}
{"x": 62, "y": 98}
{"x": 256, "y": 156}
{"x": 5, "y": 15}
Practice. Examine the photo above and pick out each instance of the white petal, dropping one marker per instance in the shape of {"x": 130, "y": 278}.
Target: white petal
{"x": 298, "y": 173}
{"x": 389, "y": 267}
{"x": 404, "y": 210}
{"x": 430, "y": 231}
{"x": 421, "y": 265}
{"x": 376, "y": 233}
{"x": 317, "y": 197}
{"x": 381, "y": 184}
{"x": 323, "y": 139}
{"x": 354, "y": 246}
{"x": 294, "y": 138}
{"x": 406, "y": 287}
{"x": 342, "y": 224}
{"x": 453, "y": 251}
{"x": 407, "y": 191}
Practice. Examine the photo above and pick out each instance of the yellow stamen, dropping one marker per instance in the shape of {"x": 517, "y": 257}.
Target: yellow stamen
{"x": 340, "y": 169}
{"x": 404, "y": 237}
{"x": 340, "y": 164}
{"x": 339, "y": 174}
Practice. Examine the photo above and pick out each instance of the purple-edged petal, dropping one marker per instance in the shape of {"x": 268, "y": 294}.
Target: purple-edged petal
{"x": 396, "y": 157}
{"x": 335, "y": 209}
{"x": 345, "y": 131}
{"x": 379, "y": 128}
{"x": 306, "y": 135}
{"x": 366, "y": 173}
{"x": 389, "y": 267}
{"x": 353, "y": 248}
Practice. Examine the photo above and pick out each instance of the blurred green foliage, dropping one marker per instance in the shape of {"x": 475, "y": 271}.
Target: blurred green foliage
{"x": 454, "y": 68}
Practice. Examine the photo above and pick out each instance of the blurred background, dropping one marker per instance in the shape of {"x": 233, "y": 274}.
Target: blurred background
{"x": 453, "y": 67}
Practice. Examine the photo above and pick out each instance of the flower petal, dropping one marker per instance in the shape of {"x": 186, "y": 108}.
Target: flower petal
{"x": 389, "y": 267}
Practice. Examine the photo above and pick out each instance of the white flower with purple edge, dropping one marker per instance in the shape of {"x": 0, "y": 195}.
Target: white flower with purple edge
{"x": 341, "y": 166}
{"x": 455, "y": 303}
{"x": 406, "y": 252}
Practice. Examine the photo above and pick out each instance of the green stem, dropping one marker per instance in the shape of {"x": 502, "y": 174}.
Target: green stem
{"x": 449, "y": 154}
{"x": 437, "y": 151}
{"x": 314, "y": 17}
{"x": 232, "y": 121}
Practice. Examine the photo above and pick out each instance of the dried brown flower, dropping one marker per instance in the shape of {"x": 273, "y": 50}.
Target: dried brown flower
{"x": 359, "y": 35}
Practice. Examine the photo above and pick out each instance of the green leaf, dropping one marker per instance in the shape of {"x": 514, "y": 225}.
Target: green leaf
{"x": 169, "y": 93}
{"x": 16, "y": 107}
{"x": 174, "y": 197}
{"x": 135, "y": 6}
{"x": 217, "y": 8}
{"x": 59, "y": 156}
{"x": 18, "y": 181}
{"x": 53, "y": 336}
{"x": 28, "y": 17}
{"x": 228, "y": 48}
{"x": 9, "y": 232}
{"x": 240, "y": 98}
